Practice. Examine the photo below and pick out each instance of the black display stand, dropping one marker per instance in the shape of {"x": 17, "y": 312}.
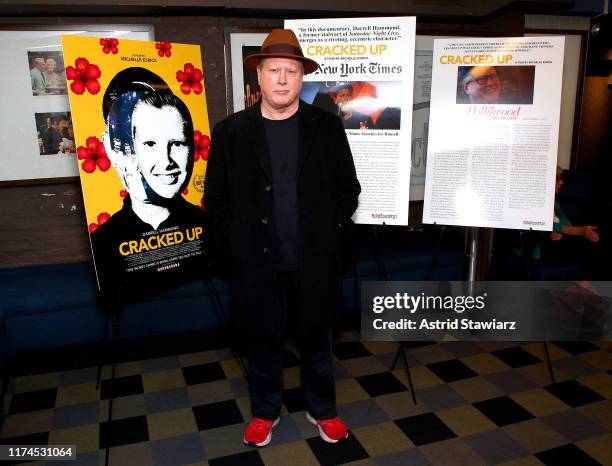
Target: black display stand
{"x": 4, "y": 382}
{"x": 382, "y": 268}
{"x": 112, "y": 302}
{"x": 380, "y": 258}
{"x": 402, "y": 345}
{"x": 436, "y": 253}
{"x": 402, "y": 349}
{"x": 527, "y": 252}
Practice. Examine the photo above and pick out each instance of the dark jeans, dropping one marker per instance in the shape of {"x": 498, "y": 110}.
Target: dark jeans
{"x": 266, "y": 363}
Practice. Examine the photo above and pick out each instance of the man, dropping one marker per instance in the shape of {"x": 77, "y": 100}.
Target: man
{"x": 53, "y": 136}
{"x": 53, "y": 80}
{"x": 350, "y": 118}
{"x": 481, "y": 84}
{"x": 150, "y": 143}
{"x": 37, "y": 76}
{"x": 281, "y": 189}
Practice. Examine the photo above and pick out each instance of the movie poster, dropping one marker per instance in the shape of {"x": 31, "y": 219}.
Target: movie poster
{"x": 366, "y": 78}
{"x": 142, "y": 137}
{"x": 493, "y": 132}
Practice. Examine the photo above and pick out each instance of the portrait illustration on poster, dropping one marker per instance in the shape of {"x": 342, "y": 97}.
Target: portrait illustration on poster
{"x": 490, "y": 85}
{"x": 359, "y": 104}
{"x": 142, "y": 157}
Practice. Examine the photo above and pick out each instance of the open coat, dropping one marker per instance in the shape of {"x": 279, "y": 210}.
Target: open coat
{"x": 238, "y": 197}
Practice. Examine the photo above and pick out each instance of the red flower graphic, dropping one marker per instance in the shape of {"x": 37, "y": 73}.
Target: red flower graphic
{"x": 163, "y": 48}
{"x": 102, "y": 217}
{"x": 191, "y": 78}
{"x": 185, "y": 191}
{"x": 84, "y": 75}
{"x": 109, "y": 45}
{"x": 93, "y": 155}
{"x": 201, "y": 145}
{"x": 123, "y": 193}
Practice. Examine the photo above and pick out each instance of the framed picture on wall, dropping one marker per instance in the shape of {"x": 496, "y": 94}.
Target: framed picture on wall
{"x": 242, "y": 88}
{"x": 36, "y": 128}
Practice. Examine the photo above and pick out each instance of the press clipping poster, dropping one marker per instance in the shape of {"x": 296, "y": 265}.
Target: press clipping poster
{"x": 366, "y": 77}
{"x": 142, "y": 137}
{"x": 493, "y": 132}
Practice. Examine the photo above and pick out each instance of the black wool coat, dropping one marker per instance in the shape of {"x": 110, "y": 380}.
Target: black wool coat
{"x": 238, "y": 198}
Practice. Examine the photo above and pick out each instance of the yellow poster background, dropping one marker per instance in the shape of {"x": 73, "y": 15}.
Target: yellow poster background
{"x": 102, "y": 189}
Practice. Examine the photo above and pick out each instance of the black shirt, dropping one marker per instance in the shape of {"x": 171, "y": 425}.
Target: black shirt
{"x": 282, "y": 139}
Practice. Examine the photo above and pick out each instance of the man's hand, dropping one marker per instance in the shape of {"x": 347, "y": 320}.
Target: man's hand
{"x": 590, "y": 233}
{"x": 554, "y": 236}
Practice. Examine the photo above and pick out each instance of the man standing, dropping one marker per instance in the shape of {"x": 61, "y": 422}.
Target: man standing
{"x": 281, "y": 189}
{"x": 37, "y": 76}
{"x": 53, "y": 135}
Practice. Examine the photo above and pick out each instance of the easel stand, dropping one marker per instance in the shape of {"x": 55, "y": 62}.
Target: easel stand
{"x": 402, "y": 349}
{"x": 113, "y": 302}
{"x": 380, "y": 260}
{"x": 378, "y": 257}
{"x": 527, "y": 252}
{"x": 402, "y": 346}
{"x": 218, "y": 304}
{"x": 378, "y": 252}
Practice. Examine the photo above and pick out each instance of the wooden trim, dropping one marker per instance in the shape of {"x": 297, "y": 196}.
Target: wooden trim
{"x": 39, "y": 181}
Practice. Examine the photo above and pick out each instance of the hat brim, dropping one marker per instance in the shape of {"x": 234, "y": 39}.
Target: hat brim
{"x": 251, "y": 62}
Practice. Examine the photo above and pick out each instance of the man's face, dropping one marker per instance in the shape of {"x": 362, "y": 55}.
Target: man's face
{"x": 343, "y": 96}
{"x": 558, "y": 183}
{"x": 61, "y": 125}
{"x": 40, "y": 64}
{"x": 161, "y": 148}
{"x": 482, "y": 85}
{"x": 280, "y": 80}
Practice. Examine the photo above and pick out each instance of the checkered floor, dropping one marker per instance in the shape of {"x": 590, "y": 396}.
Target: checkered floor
{"x": 477, "y": 404}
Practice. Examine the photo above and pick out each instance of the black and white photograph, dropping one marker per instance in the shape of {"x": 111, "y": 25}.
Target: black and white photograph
{"x": 47, "y": 73}
{"x": 55, "y": 133}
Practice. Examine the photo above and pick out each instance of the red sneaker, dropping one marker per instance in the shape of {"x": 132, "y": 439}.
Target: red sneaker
{"x": 331, "y": 430}
{"x": 259, "y": 432}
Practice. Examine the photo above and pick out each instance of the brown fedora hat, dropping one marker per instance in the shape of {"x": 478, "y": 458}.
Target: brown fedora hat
{"x": 281, "y": 43}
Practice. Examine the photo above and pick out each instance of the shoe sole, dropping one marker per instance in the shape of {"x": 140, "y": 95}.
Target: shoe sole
{"x": 266, "y": 440}
{"x": 313, "y": 421}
